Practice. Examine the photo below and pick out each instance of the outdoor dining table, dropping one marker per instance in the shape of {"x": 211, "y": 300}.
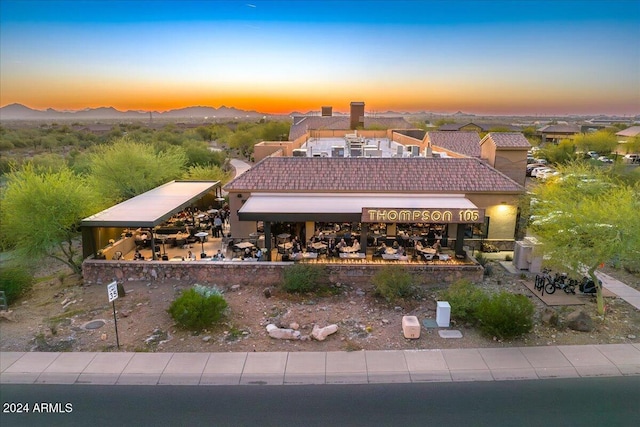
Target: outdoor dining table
{"x": 318, "y": 245}
{"x": 287, "y": 245}
{"x": 244, "y": 245}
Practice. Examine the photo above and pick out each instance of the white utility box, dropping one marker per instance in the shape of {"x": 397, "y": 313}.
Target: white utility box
{"x": 410, "y": 327}
{"x": 443, "y": 314}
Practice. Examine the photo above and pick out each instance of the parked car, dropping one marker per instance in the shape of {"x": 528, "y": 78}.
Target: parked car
{"x": 532, "y": 166}
{"x": 593, "y": 154}
{"x": 605, "y": 159}
{"x": 546, "y": 174}
{"x": 539, "y": 170}
{"x": 632, "y": 158}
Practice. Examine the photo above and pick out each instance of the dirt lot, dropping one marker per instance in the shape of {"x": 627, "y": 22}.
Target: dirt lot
{"x": 53, "y": 317}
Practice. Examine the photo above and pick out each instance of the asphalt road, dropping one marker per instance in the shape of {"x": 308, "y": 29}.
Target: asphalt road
{"x": 581, "y": 402}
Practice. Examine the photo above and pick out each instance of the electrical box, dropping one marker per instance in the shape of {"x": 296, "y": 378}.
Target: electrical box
{"x": 410, "y": 327}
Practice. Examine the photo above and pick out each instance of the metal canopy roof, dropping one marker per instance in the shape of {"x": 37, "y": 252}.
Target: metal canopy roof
{"x": 153, "y": 207}
{"x": 339, "y": 207}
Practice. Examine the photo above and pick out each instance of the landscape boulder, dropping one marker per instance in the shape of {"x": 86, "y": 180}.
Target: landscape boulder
{"x": 282, "y": 333}
{"x": 579, "y": 321}
{"x": 321, "y": 334}
{"x": 549, "y": 317}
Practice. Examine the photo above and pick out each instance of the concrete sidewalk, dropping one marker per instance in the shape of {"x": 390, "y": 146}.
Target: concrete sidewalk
{"x": 359, "y": 367}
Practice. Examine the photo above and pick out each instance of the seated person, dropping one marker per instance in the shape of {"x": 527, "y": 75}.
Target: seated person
{"x": 341, "y": 245}
{"x": 138, "y": 256}
{"x": 247, "y": 253}
{"x": 400, "y": 252}
{"x": 310, "y": 247}
{"x": 356, "y": 246}
{"x": 419, "y": 246}
{"x": 259, "y": 254}
{"x": 437, "y": 246}
{"x": 219, "y": 256}
{"x": 381, "y": 250}
{"x": 295, "y": 248}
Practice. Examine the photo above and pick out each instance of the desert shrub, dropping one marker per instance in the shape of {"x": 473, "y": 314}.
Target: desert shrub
{"x": 505, "y": 315}
{"x": 464, "y": 298}
{"x": 302, "y": 278}
{"x": 393, "y": 283}
{"x": 508, "y": 258}
{"x": 482, "y": 260}
{"x": 15, "y": 282}
{"x": 198, "y": 307}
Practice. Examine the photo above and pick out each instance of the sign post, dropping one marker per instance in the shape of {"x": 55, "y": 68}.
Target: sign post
{"x": 112, "y": 291}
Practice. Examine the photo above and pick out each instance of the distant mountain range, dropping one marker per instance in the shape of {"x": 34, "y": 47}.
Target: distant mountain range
{"x": 21, "y": 112}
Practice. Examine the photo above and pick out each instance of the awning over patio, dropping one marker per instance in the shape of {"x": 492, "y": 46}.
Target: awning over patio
{"x": 153, "y": 207}
{"x": 293, "y": 207}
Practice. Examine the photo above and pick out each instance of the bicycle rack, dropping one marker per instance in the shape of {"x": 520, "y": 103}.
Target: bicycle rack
{"x": 3, "y": 301}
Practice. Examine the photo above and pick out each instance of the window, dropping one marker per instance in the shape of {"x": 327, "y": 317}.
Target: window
{"x": 478, "y": 231}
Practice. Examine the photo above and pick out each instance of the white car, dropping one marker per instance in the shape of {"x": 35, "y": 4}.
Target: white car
{"x": 546, "y": 174}
{"x": 536, "y": 171}
{"x": 605, "y": 159}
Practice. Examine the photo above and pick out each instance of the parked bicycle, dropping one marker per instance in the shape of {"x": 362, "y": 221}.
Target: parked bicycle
{"x": 567, "y": 284}
{"x": 544, "y": 282}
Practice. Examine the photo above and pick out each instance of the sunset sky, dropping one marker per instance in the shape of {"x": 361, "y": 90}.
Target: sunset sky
{"x": 483, "y": 57}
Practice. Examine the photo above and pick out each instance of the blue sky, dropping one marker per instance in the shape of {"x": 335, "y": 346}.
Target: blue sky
{"x": 525, "y": 57}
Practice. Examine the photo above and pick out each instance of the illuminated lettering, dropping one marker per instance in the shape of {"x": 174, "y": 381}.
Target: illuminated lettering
{"x": 422, "y": 215}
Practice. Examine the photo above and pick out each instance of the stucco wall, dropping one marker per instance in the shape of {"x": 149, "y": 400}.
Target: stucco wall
{"x": 96, "y": 272}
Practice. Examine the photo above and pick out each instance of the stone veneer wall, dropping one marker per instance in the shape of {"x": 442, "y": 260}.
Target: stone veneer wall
{"x": 98, "y": 272}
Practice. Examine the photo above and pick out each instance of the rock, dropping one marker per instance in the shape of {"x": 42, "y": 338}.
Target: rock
{"x": 385, "y": 321}
{"x": 295, "y": 326}
{"x": 267, "y": 292}
{"x": 359, "y": 292}
{"x": 631, "y": 337}
{"x": 125, "y": 313}
{"x": 549, "y": 317}
{"x": 8, "y": 315}
{"x": 206, "y": 338}
{"x": 235, "y": 287}
{"x": 281, "y": 333}
{"x": 321, "y": 334}
{"x": 579, "y": 321}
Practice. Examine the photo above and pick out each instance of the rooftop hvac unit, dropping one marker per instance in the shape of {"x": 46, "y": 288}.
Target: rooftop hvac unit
{"x": 337, "y": 151}
{"x": 414, "y": 150}
{"x": 299, "y": 152}
{"x": 400, "y": 150}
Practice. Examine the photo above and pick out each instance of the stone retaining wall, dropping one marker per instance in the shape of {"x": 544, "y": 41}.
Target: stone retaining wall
{"x": 98, "y": 272}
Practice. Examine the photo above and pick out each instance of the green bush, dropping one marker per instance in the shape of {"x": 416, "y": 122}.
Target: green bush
{"x": 198, "y": 308}
{"x": 464, "y": 299}
{"x": 393, "y": 283}
{"x": 505, "y": 315}
{"x": 15, "y": 282}
{"x": 302, "y": 278}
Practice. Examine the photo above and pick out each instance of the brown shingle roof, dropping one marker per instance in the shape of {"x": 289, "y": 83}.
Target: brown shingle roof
{"x": 401, "y": 175}
{"x": 507, "y": 140}
{"x": 467, "y": 143}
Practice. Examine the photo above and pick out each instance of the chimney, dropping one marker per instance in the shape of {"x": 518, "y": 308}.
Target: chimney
{"x": 357, "y": 115}
{"x": 327, "y": 111}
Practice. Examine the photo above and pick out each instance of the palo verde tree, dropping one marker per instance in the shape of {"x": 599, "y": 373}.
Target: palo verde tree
{"x": 585, "y": 218}
{"x": 41, "y": 213}
{"x": 126, "y": 168}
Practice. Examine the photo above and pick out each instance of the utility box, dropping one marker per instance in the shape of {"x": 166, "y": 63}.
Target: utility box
{"x": 410, "y": 327}
{"x": 443, "y": 314}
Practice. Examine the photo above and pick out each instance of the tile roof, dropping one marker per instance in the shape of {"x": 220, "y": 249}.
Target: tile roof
{"x": 507, "y": 140}
{"x": 467, "y": 143}
{"x": 560, "y": 129}
{"x": 303, "y": 124}
{"x": 486, "y": 127}
{"x": 632, "y": 131}
{"x": 399, "y": 175}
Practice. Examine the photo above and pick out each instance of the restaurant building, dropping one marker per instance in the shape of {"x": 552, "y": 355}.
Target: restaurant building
{"x": 465, "y": 198}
